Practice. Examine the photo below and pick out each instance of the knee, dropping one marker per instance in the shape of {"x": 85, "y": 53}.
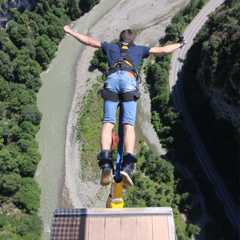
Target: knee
{"x": 108, "y": 126}
{"x": 128, "y": 127}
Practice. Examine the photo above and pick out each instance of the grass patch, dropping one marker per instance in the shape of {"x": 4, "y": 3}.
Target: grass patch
{"x": 88, "y": 133}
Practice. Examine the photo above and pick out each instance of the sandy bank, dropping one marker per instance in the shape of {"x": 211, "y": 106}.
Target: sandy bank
{"x": 151, "y": 17}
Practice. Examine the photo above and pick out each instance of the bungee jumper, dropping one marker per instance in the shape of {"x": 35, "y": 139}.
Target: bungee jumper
{"x": 121, "y": 85}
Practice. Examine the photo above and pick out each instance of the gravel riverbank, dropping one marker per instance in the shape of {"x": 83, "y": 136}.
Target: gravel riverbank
{"x": 151, "y": 17}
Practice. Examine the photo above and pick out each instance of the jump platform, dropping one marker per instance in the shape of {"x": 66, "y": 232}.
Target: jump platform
{"x": 117, "y": 224}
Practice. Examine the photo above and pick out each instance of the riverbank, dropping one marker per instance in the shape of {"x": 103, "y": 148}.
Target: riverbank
{"x": 126, "y": 14}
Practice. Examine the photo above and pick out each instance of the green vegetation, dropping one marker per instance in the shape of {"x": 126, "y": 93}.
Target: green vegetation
{"x": 27, "y": 47}
{"x": 156, "y": 184}
{"x": 181, "y": 20}
{"x": 89, "y": 130}
{"x": 220, "y": 137}
{"x": 88, "y": 133}
{"x": 168, "y": 123}
{"x": 215, "y": 53}
{"x": 99, "y": 61}
{"x": 155, "y": 181}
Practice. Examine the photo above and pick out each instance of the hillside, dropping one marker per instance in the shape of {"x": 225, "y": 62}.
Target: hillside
{"x": 29, "y": 37}
{"x": 219, "y": 72}
{"x": 211, "y": 86}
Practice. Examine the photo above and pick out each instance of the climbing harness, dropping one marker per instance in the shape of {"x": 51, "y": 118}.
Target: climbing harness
{"x": 123, "y": 97}
{"x": 124, "y": 62}
{"x": 105, "y": 159}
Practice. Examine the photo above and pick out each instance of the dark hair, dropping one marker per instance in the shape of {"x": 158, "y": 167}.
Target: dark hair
{"x": 127, "y": 35}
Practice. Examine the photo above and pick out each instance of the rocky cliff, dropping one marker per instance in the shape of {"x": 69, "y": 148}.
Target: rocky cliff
{"x": 18, "y": 4}
{"x": 219, "y": 74}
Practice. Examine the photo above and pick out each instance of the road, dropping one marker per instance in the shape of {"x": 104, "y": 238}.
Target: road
{"x": 175, "y": 81}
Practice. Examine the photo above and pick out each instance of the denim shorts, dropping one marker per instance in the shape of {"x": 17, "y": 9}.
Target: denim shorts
{"x": 120, "y": 82}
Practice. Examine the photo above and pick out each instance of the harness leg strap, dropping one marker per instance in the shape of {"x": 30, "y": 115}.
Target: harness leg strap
{"x": 105, "y": 159}
{"x": 108, "y": 95}
{"x": 124, "y": 97}
{"x": 128, "y": 162}
{"x": 130, "y": 96}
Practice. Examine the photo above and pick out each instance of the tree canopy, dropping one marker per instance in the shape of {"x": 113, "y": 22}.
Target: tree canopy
{"x": 27, "y": 47}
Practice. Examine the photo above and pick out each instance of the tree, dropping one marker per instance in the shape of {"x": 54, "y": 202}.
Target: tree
{"x": 55, "y": 33}
{"x": 15, "y": 133}
{"x": 42, "y": 57}
{"x": 19, "y": 97}
{"x": 30, "y": 113}
{"x": 99, "y": 60}
{"x": 9, "y": 183}
{"x": 16, "y": 33}
{"x": 142, "y": 194}
{"x": 6, "y": 131}
{"x": 3, "y": 220}
{"x": 161, "y": 99}
{"x": 10, "y": 48}
{"x": 178, "y": 18}
{"x": 7, "y": 162}
{"x": 192, "y": 230}
{"x": 33, "y": 225}
{"x": 3, "y": 38}
{"x": 73, "y": 10}
{"x": 172, "y": 32}
{"x": 157, "y": 169}
{"x": 28, "y": 48}
{"x": 156, "y": 121}
{"x": 54, "y": 28}
{"x": 49, "y": 47}
{"x": 5, "y": 89}
{"x": 27, "y": 168}
{"x": 27, "y": 71}
{"x": 29, "y": 236}
{"x": 28, "y": 128}
{"x": 15, "y": 14}
{"x": 28, "y": 196}
{"x": 33, "y": 155}
{"x": 1, "y": 137}
{"x": 6, "y": 67}
{"x": 25, "y": 144}
{"x": 40, "y": 9}
{"x": 38, "y": 23}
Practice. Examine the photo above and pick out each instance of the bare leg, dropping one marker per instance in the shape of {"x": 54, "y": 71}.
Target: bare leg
{"x": 129, "y": 138}
{"x": 106, "y": 136}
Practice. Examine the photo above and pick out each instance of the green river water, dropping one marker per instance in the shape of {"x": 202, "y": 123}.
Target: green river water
{"x": 54, "y": 101}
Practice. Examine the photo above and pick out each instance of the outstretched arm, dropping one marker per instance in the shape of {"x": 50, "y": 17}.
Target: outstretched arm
{"x": 166, "y": 49}
{"x": 82, "y": 38}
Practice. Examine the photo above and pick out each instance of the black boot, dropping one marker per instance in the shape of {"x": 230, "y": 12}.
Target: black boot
{"x": 127, "y": 168}
{"x": 106, "y": 164}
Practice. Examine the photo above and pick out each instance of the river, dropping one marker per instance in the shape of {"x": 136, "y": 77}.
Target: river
{"x": 54, "y": 101}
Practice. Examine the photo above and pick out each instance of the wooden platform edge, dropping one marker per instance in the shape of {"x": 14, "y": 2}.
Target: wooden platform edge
{"x": 66, "y": 221}
{"x": 114, "y": 212}
{"x": 171, "y": 228}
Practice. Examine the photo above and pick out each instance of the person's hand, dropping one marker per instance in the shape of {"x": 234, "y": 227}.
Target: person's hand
{"x": 181, "y": 40}
{"x": 66, "y": 29}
